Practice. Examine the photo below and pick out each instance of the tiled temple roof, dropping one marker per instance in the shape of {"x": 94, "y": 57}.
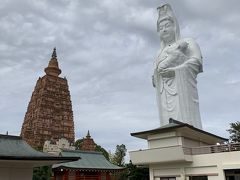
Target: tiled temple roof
{"x": 89, "y": 161}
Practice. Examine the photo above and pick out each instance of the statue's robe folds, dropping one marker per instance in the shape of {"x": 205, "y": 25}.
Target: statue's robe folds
{"x": 177, "y": 94}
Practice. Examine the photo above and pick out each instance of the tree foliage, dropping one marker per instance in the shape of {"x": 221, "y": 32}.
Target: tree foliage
{"x": 137, "y": 173}
{"x": 101, "y": 149}
{"x": 42, "y": 173}
{"x": 78, "y": 143}
{"x": 98, "y": 148}
{"x": 132, "y": 172}
{"x": 234, "y": 132}
{"x": 118, "y": 157}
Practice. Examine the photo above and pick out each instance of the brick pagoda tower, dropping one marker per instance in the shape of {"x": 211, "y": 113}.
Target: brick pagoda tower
{"x": 49, "y": 114}
{"x": 88, "y": 143}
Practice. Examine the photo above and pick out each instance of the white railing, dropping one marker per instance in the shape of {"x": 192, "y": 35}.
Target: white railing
{"x": 211, "y": 149}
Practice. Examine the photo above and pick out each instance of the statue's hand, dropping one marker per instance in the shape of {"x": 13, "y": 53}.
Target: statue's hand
{"x": 174, "y": 59}
{"x": 160, "y": 69}
{"x": 168, "y": 72}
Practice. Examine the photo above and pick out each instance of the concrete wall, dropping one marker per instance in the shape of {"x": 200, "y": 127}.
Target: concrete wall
{"x": 159, "y": 155}
{"x": 162, "y": 135}
{"x": 166, "y": 157}
{"x": 172, "y": 139}
{"x": 13, "y": 173}
{"x": 187, "y": 142}
{"x": 212, "y": 165}
{"x": 164, "y": 140}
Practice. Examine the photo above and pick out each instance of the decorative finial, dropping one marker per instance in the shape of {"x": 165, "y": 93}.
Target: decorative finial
{"x": 53, "y": 68}
{"x": 88, "y": 134}
{"x": 54, "y": 54}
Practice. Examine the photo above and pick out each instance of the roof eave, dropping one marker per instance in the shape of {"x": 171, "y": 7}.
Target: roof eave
{"x": 40, "y": 158}
{"x": 145, "y": 134}
{"x": 90, "y": 169}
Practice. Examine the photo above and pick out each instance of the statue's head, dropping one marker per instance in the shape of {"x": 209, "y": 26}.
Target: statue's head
{"x": 167, "y": 25}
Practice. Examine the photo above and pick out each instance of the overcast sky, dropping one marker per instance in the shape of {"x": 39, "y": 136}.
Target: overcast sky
{"x": 106, "y": 50}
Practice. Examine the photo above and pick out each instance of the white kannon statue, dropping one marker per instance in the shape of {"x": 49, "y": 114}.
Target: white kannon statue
{"x": 175, "y": 71}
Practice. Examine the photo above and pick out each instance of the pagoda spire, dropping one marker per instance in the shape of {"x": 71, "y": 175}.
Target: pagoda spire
{"x": 88, "y": 135}
{"x": 53, "y": 68}
{"x": 54, "y": 54}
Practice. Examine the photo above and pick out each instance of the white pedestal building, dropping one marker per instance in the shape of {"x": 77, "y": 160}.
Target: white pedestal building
{"x": 178, "y": 151}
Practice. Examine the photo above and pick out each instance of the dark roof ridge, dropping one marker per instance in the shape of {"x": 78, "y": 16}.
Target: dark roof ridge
{"x": 10, "y": 137}
{"x": 40, "y": 158}
{"x": 171, "y": 120}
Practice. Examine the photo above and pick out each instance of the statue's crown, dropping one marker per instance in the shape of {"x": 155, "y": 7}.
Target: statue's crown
{"x": 165, "y": 12}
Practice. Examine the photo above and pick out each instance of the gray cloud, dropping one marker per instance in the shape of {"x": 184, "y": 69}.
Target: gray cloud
{"x": 106, "y": 50}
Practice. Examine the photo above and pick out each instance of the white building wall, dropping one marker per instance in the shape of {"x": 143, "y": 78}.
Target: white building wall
{"x": 166, "y": 142}
{"x": 162, "y": 135}
{"x": 212, "y": 165}
{"x": 190, "y": 143}
{"x": 170, "y": 139}
{"x": 168, "y": 157}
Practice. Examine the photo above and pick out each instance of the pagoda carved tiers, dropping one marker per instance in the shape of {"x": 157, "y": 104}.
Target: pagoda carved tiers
{"x": 49, "y": 114}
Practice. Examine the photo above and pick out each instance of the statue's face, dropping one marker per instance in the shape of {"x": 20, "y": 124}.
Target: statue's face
{"x": 167, "y": 30}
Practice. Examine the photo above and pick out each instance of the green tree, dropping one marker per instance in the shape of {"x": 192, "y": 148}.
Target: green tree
{"x": 132, "y": 172}
{"x": 78, "y": 143}
{"x": 42, "y": 173}
{"x": 234, "y": 132}
{"x": 137, "y": 173}
{"x": 118, "y": 157}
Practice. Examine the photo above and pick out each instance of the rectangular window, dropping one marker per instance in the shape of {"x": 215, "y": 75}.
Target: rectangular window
{"x": 167, "y": 178}
{"x": 198, "y": 178}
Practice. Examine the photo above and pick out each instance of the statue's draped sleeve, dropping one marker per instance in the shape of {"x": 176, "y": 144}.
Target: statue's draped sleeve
{"x": 186, "y": 83}
{"x": 177, "y": 95}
